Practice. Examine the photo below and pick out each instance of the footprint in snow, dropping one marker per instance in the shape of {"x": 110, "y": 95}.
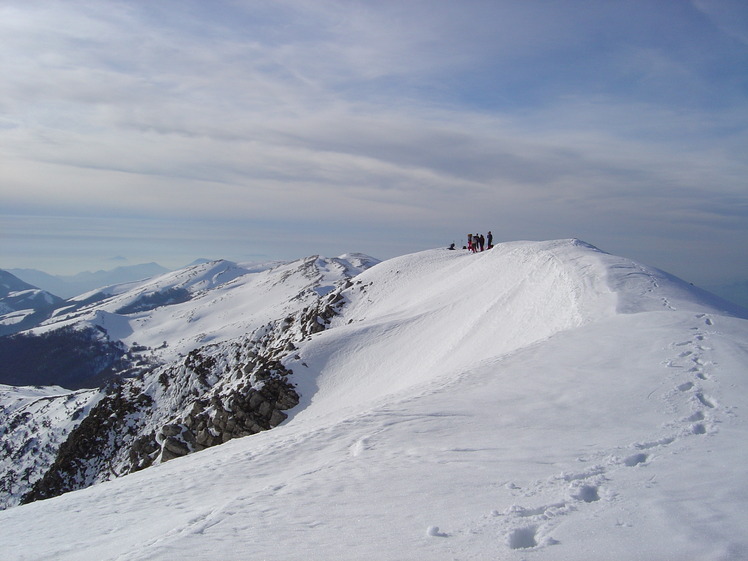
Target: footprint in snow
{"x": 531, "y": 527}
{"x": 587, "y": 493}
{"x": 655, "y": 444}
{"x": 707, "y": 320}
{"x": 697, "y": 416}
{"x": 704, "y": 400}
{"x": 685, "y": 386}
{"x": 522, "y": 538}
{"x": 635, "y": 460}
{"x": 698, "y": 428}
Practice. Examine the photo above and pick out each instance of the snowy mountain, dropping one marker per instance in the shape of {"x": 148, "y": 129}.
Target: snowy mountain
{"x": 67, "y": 286}
{"x": 21, "y": 304}
{"x": 194, "y": 353}
{"x": 540, "y": 400}
{"x": 134, "y": 325}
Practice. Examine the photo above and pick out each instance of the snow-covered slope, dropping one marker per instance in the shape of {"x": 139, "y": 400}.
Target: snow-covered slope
{"x": 541, "y": 400}
{"x": 34, "y": 422}
{"x": 187, "y": 394}
{"x": 21, "y": 304}
{"x": 177, "y": 312}
{"x": 139, "y": 324}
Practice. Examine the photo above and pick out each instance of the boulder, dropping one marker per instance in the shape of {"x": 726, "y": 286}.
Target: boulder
{"x": 174, "y": 448}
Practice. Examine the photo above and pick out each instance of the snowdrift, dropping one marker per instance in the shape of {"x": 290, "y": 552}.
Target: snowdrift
{"x": 540, "y": 400}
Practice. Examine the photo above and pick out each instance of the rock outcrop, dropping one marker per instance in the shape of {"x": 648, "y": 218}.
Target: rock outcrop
{"x": 213, "y": 395}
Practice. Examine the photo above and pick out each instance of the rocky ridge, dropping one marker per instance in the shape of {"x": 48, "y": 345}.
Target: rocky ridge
{"x": 214, "y": 394}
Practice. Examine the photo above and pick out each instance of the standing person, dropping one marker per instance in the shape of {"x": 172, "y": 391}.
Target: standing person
{"x": 470, "y": 242}
{"x": 482, "y": 242}
{"x": 489, "y": 239}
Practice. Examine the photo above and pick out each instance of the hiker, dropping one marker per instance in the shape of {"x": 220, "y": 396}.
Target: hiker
{"x": 470, "y": 242}
{"x": 489, "y": 239}
{"x": 481, "y": 241}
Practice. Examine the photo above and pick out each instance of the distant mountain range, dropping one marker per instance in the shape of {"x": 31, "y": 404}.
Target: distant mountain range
{"x": 67, "y": 286}
{"x": 29, "y": 296}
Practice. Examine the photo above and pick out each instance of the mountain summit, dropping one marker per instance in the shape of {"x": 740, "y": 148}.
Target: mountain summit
{"x": 540, "y": 399}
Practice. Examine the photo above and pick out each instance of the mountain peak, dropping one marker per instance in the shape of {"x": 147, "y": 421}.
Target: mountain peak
{"x": 11, "y": 283}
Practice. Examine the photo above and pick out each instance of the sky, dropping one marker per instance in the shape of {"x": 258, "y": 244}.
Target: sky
{"x": 167, "y": 131}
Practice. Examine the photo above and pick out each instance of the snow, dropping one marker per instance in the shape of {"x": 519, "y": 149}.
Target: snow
{"x": 36, "y": 420}
{"x": 18, "y": 305}
{"x": 12, "y": 317}
{"x": 541, "y": 400}
{"x": 226, "y": 301}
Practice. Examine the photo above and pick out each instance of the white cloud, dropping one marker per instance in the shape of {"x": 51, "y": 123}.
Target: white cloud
{"x": 333, "y": 115}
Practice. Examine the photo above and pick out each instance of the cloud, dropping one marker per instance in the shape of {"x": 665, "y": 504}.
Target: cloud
{"x": 388, "y": 119}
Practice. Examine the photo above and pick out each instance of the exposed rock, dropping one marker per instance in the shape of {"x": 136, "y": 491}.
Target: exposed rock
{"x": 246, "y": 414}
{"x": 213, "y": 395}
{"x": 171, "y": 430}
{"x": 277, "y": 417}
{"x": 142, "y": 451}
{"x": 173, "y": 448}
{"x": 85, "y": 454}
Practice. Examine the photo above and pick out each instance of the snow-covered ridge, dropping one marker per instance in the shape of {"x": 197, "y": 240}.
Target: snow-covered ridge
{"x": 444, "y": 310}
{"x": 21, "y": 304}
{"x": 540, "y": 399}
{"x": 205, "y": 303}
{"x": 225, "y": 383}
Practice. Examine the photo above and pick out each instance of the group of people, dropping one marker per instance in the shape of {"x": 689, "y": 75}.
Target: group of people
{"x": 476, "y": 242}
